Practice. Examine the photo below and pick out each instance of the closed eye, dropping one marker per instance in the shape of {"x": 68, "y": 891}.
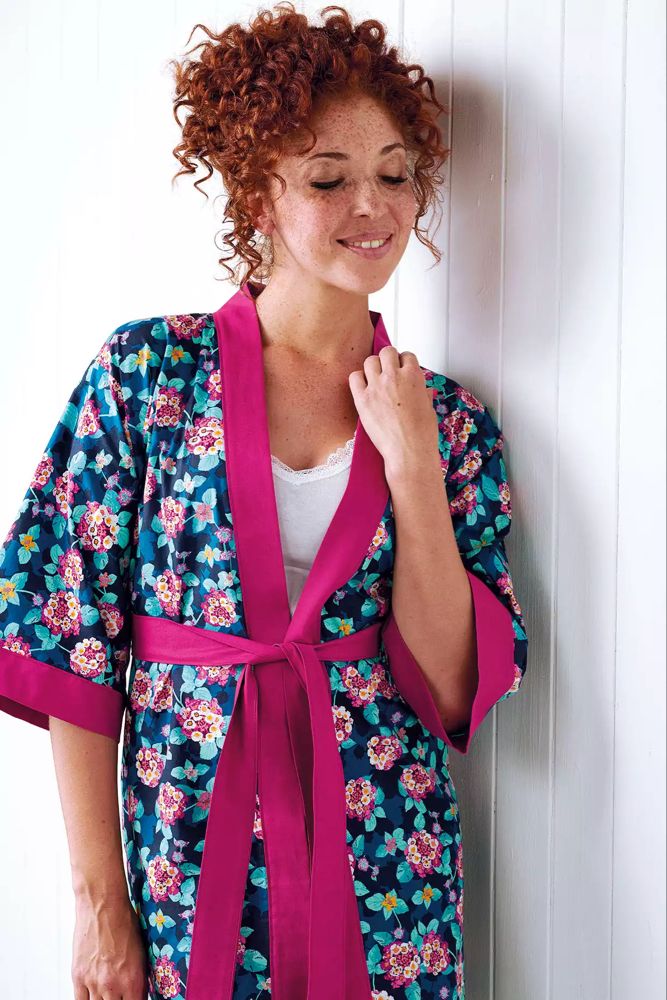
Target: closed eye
{"x": 328, "y": 185}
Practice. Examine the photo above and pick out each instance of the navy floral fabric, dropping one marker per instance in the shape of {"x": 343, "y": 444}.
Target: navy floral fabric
{"x": 128, "y": 512}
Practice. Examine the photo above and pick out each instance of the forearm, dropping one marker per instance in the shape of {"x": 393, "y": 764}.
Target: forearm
{"x": 86, "y": 766}
{"x": 431, "y": 598}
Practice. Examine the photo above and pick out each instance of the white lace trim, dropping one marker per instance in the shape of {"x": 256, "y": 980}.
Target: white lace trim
{"x": 336, "y": 461}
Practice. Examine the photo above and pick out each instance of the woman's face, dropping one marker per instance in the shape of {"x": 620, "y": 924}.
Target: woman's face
{"x": 360, "y": 191}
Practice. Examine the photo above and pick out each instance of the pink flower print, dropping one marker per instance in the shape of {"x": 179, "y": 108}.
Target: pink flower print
{"x": 64, "y": 493}
{"x": 384, "y": 751}
{"x": 166, "y": 978}
{"x": 351, "y": 860}
{"x": 240, "y": 949}
{"x": 465, "y": 501}
{"x": 162, "y": 693}
{"x": 212, "y": 385}
{"x": 459, "y": 860}
{"x": 506, "y": 586}
{"x": 131, "y": 803}
{"x": 459, "y": 910}
{"x": 42, "y": 472}
{"x": 342, "y": 723}
{"x": 434, "y": 953}
{"x": 62, "y": 613}
{"x": 257, "y": 822}
{"x": 459, "y": 974}
{"x": 218, "y": 673}
{"x": 171, "y": 516}
{"x": 186, "y": 327}
{"x": 150, "y": 765}
{"x": 471, "y": 464}
{"x": 98, "y": 527}
{"x": 201, "y": 720}
{"x": 89, "y": 419}
{"x": 381, "y": 995}
{"x": 103, "y": 357}
{"x": 505, "y": 498}
{"x": 378, "y": 540}
{"x": 116, "y": 390}
{"x": 400, "y": 963}
{"x": 360, "y": 797}
{"x": 219, "y": 609}
{"x": 378, "y": 590}
{"x": 89, "y": 658}
{"x": 457, "y": 426}
{"x": 423, "y": 852}
{"x": 164, "y": 878}
{"x": 203, "y": 798}
{"x": 150, "y": 484}
{"x": 112, "y": 619}
{"x": 140, "y": 692}
{"x": 385, "y": 686}
{"x": 15, "y": 644}
{"x": 168, "y": 588}
{"x": 204, "y": 512}
{"x": 171, "y": 803}
{"x": 205, "y": 437}
{"x": 418, "y": 781}
{"x": 468, "y": 400}
{"x": 149, "y": 418}
{"x": 360, "y": 691}
{"x": 168, "y": 407}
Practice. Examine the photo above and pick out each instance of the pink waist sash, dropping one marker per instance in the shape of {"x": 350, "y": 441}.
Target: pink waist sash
{"x": 281, "y": 741}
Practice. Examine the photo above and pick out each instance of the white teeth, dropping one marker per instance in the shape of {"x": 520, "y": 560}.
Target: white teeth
{"x": 367, "y": 244}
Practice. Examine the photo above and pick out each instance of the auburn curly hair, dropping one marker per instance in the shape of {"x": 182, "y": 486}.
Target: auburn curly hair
{"x": 250, "y": 89}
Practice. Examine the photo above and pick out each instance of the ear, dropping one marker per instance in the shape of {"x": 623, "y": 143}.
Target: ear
{"x": 261, "y": 213}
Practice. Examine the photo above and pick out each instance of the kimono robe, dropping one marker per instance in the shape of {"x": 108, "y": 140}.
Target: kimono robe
{"x": 289, "y": 822}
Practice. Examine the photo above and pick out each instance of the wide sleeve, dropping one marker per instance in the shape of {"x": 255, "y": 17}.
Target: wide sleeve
{"x": 480, "y": 505}
{"x": 65, "y": 591}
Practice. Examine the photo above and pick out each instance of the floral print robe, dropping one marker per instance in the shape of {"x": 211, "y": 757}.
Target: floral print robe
{"x": 150, "y": 526}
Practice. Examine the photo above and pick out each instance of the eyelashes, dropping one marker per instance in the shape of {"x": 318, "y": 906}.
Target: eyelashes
{"x": 328, "y": 185}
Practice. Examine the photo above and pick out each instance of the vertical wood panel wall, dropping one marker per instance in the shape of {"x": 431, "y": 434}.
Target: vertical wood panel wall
{"x": 548, "y": 303}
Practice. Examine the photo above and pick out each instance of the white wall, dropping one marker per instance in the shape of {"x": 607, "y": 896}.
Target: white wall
{"x": 549, "y": 303}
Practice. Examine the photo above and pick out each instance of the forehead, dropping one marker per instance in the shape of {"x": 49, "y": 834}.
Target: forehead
{"x": 350, "y": 128}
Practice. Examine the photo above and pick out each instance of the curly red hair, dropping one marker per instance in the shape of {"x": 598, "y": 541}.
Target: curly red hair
{"x": 251, "y": 88}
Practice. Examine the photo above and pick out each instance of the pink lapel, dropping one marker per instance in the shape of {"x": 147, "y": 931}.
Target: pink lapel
{"x": 252, "y": 495}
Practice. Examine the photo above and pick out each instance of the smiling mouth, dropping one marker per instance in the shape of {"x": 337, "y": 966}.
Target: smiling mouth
{"x": 363, "y": 244}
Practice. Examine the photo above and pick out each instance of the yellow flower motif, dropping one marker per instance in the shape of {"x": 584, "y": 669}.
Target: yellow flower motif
{"x": 143, "y": 356}
{"x": 7, "y": 589}
{"x": 389, "y": 902}
{"x": 28, "y": 543}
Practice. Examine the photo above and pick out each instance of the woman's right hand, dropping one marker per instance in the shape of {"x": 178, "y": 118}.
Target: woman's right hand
{"x": 109, "y": 960}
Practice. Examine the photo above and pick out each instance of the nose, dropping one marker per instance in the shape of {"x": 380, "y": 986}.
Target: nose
{"x": 368, "y": 198}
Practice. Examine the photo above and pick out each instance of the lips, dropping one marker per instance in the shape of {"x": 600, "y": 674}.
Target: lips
{"x": 365, "y": 238}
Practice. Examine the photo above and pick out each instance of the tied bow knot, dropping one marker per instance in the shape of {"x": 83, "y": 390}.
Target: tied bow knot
{"x": 280, "y": 751}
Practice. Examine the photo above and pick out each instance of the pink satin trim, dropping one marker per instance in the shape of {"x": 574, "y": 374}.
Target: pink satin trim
{"x": 281, "y": 735}
{"x": 33, "y": 690}
{"x": 494, "y": 637}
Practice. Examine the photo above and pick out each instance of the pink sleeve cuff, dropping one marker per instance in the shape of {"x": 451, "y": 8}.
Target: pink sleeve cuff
{"x": 33, "y": 690}
{"x": 495, "y": 665}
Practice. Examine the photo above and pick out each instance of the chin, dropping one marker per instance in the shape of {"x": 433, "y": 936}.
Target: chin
{"x": 363, "y": 284}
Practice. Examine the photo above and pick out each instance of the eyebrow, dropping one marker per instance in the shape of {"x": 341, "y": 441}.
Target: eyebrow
{"x": 336, "y": 155}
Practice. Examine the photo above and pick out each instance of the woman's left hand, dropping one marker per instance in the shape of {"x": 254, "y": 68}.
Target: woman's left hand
{"x": 396, "y": 409}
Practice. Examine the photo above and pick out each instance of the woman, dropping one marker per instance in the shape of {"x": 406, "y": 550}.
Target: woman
{"x": 300, "y": 533}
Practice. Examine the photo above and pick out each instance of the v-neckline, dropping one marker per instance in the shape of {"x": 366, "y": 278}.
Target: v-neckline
{"x": 252, "y": 490}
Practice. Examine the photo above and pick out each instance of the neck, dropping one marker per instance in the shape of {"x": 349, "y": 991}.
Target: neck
{"x": 321, "y": 324}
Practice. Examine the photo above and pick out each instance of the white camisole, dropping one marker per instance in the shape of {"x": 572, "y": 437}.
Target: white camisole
{"x": 307, "y": 500}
